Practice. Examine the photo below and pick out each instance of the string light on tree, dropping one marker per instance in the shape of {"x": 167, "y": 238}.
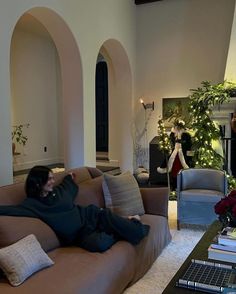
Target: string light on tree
{"x": 164, "y": 141}
{"x": 202, "y": 100}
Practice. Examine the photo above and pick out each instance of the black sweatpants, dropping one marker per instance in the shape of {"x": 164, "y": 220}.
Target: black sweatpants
{"x": 109, "y": 229}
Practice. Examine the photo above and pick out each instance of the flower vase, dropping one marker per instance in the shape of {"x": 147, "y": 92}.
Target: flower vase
{"x": 224, "y": 220}
{"x": 232, "y": 222}
{"x": 227, "y": 221}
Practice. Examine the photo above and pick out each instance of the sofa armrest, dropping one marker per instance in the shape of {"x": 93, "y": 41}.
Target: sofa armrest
{"x": 14, "y": 228}
{"x": 94, "y": 172}
{"x": 155, "y": 200}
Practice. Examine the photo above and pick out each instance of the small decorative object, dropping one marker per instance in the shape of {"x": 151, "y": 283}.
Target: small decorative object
{"x": 141, "y": 175}
{"x": 226, "y": 209}
{"x": 18, "y": 136}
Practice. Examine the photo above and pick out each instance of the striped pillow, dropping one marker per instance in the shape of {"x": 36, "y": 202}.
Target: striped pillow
{"x": 23, "y": 258}
{"x": 122, "y": 194}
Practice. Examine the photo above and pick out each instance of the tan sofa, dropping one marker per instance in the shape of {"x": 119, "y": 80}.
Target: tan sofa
{"x": 77, "y": 270}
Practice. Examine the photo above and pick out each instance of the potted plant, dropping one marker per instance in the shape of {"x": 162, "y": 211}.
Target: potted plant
{"x": 18, "y": 136}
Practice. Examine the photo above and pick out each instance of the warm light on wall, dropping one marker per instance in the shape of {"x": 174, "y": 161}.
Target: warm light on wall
{"x": 147, "y": 105}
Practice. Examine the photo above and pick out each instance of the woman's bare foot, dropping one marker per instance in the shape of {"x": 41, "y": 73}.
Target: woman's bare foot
{"x": 136, "y": 216}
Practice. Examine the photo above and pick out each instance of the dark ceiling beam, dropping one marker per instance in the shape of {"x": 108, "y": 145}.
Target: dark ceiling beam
{"x": 137, "y": 2}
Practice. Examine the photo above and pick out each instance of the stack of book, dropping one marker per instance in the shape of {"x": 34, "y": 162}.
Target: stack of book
{"x": 225, "y": 247}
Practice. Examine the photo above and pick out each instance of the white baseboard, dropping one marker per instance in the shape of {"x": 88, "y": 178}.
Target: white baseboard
{"x": 27, "y": 165}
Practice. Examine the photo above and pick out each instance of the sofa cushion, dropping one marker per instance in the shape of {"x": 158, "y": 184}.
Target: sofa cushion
{"x": 90, "y": 192}
{"x": 13, "y": 228}
{"x": 23, "y": 258}
{"x": 12, "y": 194}
{"x": 83, "y": 272}
{"x": 81, "y": 174}
{"x": 122, "y": 194}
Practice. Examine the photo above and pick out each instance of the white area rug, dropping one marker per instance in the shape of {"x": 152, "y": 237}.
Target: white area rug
{"x": 172, "y": 257}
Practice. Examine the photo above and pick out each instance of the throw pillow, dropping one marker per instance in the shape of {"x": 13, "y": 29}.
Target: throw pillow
{"x": 23, "y": 258}
{"x": 122, "y": 194}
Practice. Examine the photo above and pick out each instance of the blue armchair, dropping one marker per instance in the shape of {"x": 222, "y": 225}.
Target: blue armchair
{"x": 198, "y": 190}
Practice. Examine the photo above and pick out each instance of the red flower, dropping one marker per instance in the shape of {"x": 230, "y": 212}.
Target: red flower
{"x": 227, "y": 205}
{"x": 222, "y": 206}
{"x": 232, "y": 194}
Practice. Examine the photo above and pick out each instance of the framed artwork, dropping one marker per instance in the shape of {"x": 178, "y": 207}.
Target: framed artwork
{"x": 173, "y": 108}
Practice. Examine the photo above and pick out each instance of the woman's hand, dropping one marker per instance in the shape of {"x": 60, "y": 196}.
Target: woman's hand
{"x": 72, "y": 175}
{"x": 136, "y": 216}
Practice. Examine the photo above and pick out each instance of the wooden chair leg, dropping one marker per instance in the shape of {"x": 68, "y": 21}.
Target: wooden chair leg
{"x": 178, "y": 225}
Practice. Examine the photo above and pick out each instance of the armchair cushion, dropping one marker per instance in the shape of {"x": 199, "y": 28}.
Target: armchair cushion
{"x": 202, "y": 178}
{"x": 200, "y": 195}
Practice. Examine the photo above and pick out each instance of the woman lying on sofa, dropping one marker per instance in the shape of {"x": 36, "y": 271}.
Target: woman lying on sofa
{"x": 91, "y": 227}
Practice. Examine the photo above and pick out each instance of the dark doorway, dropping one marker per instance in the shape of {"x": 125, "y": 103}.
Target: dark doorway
{"x": 101, "y": 92}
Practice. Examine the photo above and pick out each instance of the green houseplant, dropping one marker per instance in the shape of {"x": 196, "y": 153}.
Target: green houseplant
{"x": 18, "y": 136}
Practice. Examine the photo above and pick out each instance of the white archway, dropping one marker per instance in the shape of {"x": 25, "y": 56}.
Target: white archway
{"x": 120, "y": 103}
{"x": 72, "y": 86}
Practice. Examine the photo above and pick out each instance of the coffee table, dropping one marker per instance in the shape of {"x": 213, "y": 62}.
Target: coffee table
{"x": 199, "y": 252}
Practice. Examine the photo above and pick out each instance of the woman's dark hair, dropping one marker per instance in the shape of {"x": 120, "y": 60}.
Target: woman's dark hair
{"x": 36, "y": 179}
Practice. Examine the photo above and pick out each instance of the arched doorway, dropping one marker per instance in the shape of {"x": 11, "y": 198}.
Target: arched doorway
{"x": 120, "y": 145}
{"x": 36, "y": 95}
{"x": 101, "y": 93}
{"x": 69, "y": 120}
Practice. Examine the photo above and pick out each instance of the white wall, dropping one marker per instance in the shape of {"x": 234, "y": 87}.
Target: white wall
{"x": 230, "y": 71}
{"x": 36, "y": 98}
{"x": 179, "y": 45}
{"x": 120, "y": 105}
{"x": 91, "y": 24}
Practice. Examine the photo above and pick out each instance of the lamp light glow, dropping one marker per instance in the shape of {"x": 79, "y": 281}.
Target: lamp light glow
{"x": 147, "y": 105}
